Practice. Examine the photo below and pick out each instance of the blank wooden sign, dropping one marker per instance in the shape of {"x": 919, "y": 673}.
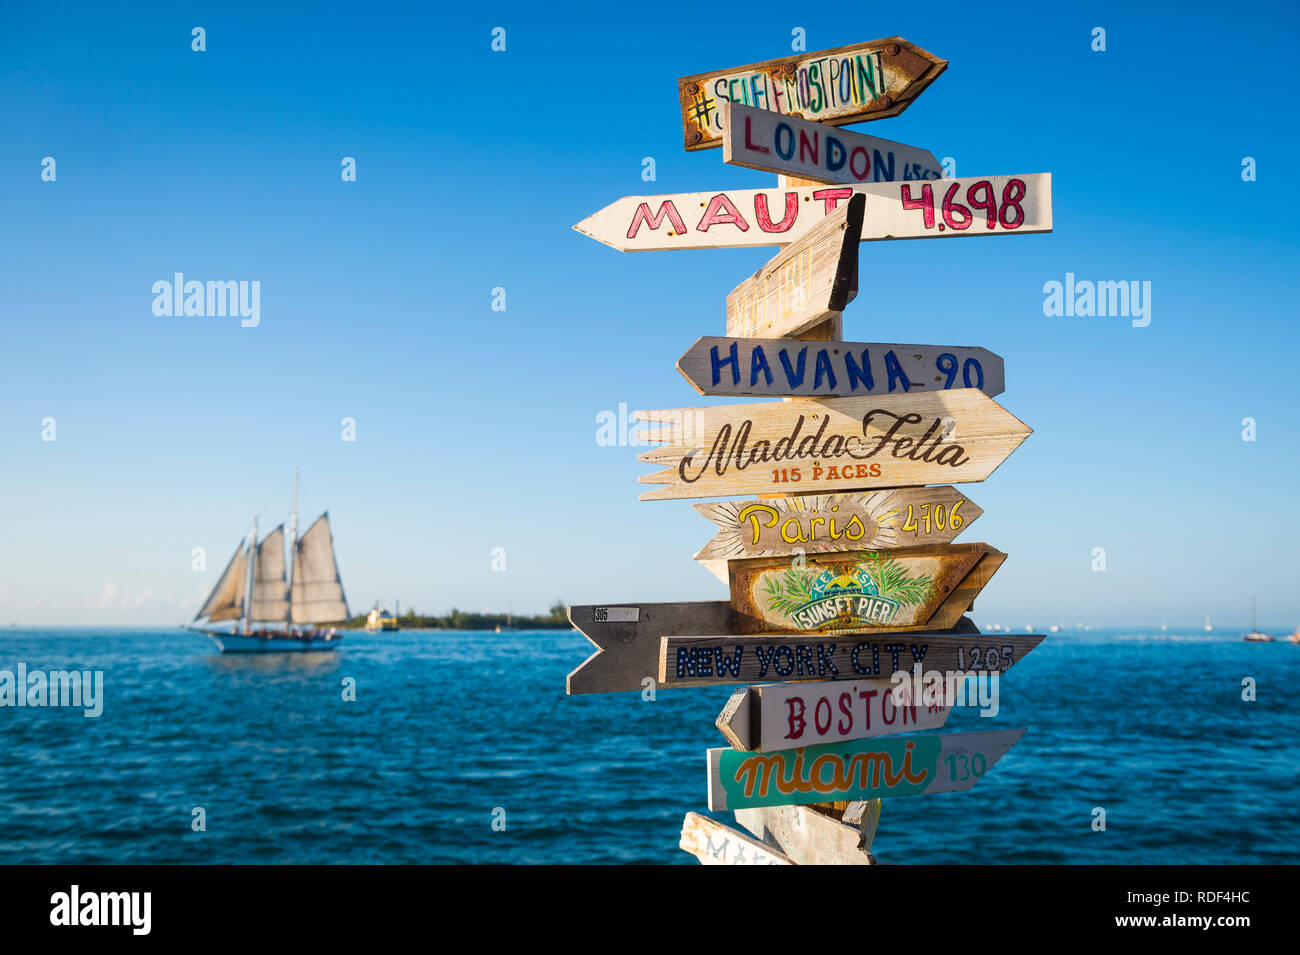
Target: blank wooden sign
{"x": 626, "y": 637}
{"x": 806, "y": 836}
{"x": 806, "y": 283}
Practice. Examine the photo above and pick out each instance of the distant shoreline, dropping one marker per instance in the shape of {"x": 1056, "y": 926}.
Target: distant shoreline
{"x": 557, "y": 619}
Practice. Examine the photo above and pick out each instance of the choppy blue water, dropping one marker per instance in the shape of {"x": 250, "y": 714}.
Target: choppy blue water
{"x": 448, "y": 727}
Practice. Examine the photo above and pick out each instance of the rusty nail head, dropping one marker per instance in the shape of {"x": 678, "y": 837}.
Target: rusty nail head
{"x": 891, "y": 50}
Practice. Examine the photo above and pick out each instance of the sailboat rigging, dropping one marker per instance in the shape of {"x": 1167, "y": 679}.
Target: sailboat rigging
{"x": 261, "y": 592}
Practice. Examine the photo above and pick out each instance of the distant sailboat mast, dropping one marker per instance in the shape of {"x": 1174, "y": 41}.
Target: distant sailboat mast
{"x": 252, "y": 574}
{"x": 293, "y": 548}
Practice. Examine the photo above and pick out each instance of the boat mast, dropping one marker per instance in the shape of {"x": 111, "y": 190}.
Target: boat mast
{"x": 252, "y": 573}
{"x": 293, "y": 549}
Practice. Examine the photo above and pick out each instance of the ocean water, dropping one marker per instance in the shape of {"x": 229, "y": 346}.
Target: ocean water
{"x": 447, "y": 729}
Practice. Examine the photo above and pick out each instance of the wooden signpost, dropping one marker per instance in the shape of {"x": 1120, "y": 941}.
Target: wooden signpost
{"x": 715, "y": 844}
{"x": 848, "y": 84}
{"x": 736, "y": 218}
{"x": 761, "y": 139}
{"x": 832, "y": 523}
{"x": 728, "y": 660}
{"x": 835, "y": 444}
{"x": 843, "y": 574}
{"x": 806, "y": 283}
{"x": 860, "y": 769}
{"x": 781, "y": 367}
{"x": 786, "y": 715}
{"x": 911, "y": 588}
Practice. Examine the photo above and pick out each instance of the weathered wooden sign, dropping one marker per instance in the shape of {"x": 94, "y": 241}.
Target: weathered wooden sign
{"x": 781, "y": 367}
{"x": 860, "y": 769}
{"x": 734, "y": 218}
{"x": 848, "y": 84}
{"x": 806, "y": 283}
{"x": 786, "y": 715}
{"x": 806, "y": 836}
{"x": 831, "y": 444}
{"x": 728, "y": 660}
{"x": 627, "y": 638}
{"x": 832, "y": 523}
{"x": 715, "y": 844}
{"x": 771, "y": 142}
{"x": 911, "y": 588}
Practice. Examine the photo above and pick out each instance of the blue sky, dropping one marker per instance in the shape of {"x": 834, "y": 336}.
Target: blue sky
{"x": 476, "y": 429}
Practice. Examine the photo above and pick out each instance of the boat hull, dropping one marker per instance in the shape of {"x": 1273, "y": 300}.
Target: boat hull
{"x": 273, "y": 643}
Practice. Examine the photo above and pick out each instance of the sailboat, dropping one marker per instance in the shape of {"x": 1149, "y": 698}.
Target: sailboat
{"x": 252, "y": 590}
{"x": 1255, "y": 636}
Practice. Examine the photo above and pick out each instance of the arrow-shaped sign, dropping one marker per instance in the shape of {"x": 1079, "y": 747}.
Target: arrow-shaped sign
{"x": 637, "y": 648}
{"x": 781, "y": 367}
{"x": 835, "y": 444}
{"x": 715, "y": 844}
{"x": 861, "y": 769}
{"x": 761, "y": 139}
{"x": 807, "y": 836}
{"x": 734, "y": 218}
{"x": 806, "y": 283}
{"x": 627, "y": 640}
{"x": 786, "y": 715}
{"x": 911, "y": 588}
{"x": 728, "y": 660}
{"x": 833, "y": 523}
{"x": 848, "y": 84}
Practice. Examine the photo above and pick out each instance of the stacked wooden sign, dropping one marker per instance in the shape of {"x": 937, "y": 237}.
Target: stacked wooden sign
{"x": 842, "y": 572}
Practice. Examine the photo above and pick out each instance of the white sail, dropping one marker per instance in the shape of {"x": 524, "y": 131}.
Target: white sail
{"x": 226, "y": 601}
{"x": 317, "y": 590}
{"x": 270, "y": 595}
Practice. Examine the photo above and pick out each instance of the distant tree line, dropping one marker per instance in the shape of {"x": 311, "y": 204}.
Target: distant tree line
{"x": 460, "y": 620}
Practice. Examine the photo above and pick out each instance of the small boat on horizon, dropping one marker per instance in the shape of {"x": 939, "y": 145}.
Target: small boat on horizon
{"x": 253, "y": 589}
{"x": 1255, "y": 635}
{"x": 380, "y": 619}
